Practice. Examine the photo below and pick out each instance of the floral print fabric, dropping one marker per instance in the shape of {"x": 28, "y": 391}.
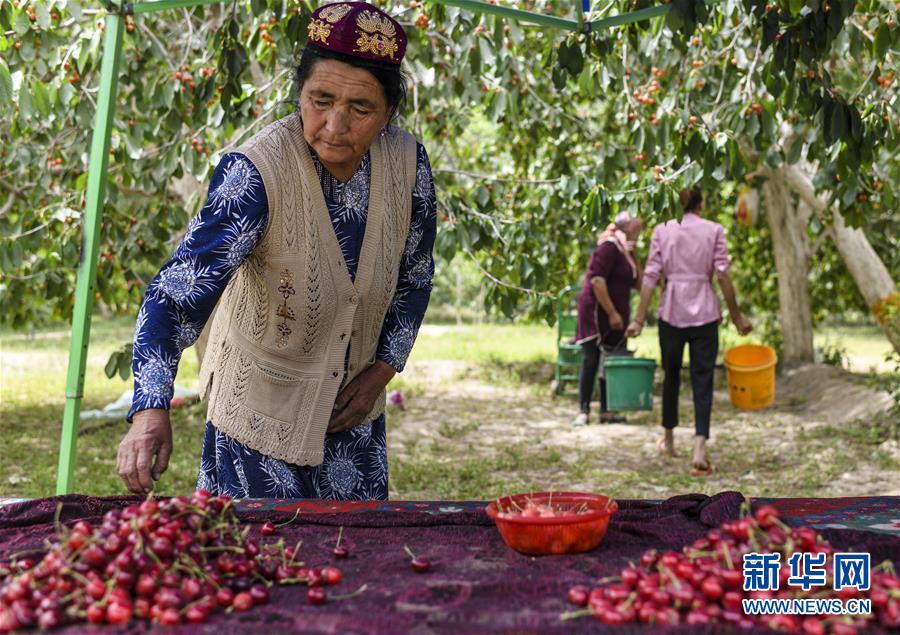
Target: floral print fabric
{"x": 181, "y": 298}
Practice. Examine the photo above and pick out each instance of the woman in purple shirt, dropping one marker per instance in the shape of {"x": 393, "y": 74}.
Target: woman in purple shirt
{"x": 687, "y": 254}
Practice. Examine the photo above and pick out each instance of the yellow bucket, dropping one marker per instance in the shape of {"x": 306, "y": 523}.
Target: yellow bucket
{"x": 751, "y": 376}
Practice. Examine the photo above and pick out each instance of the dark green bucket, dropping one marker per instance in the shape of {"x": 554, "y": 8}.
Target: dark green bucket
{"x": 629, "y": 383}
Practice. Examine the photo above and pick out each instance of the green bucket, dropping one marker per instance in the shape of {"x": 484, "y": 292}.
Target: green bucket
{"x": 629, "y": 383}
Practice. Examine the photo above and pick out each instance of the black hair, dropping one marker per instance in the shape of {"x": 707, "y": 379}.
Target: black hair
{"x": 691, "y": 199}
{"x": 392, "y": 80}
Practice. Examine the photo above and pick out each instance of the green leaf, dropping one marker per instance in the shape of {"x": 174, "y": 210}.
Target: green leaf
{"x": 25, "y": 103}
{"x": 112, "y": 364}
{"x": 838, "y": 122}
{"x": 793, "y": 153}
{"x": 40, "y": 97}
{"x": 482, "y": 196}
{"x": 42, "y": 13}
{"x": 571, "y": 58}
{"x": 487, "y": 52}
{"x": 124, "y": 366}
{"x": 768, "y": 124}
{"x": 6, "y": 94}
{"x": 882, "y": 41}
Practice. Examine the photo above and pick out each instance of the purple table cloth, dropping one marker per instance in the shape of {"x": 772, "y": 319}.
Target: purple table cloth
{"x": 476, "y": 584}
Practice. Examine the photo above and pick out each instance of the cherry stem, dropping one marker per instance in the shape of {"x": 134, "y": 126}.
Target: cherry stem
{"x": 670, "y": 575}
{"x": 296, "y": 549}
{"x": 727, "y": 554}
{"x": 409, "y": 551}
{"x": 358, "y": 591}
{"x": 340, "y": 533}
{"x": 297, "y": 513}
{"x": 571, "y": 615}
{"x": 56, "y": 516}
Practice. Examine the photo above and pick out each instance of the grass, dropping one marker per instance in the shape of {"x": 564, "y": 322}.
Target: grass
{"x": 32, "y": 396}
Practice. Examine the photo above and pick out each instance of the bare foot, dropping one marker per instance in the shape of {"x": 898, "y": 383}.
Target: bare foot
{"x": 700, "y": 457}
{"x": 666, "y": 445}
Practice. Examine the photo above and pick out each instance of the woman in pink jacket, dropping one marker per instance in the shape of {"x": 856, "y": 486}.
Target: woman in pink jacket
{"x": 688, "y": 254}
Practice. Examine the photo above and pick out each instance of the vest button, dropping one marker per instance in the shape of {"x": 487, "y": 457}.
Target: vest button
{"x": 352, "y": 299}
{"x": 334, "y": 374}
{"x": 352, "y": 367}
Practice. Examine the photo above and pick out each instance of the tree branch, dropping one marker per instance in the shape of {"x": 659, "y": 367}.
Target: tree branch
{"x": 500, "y": 282}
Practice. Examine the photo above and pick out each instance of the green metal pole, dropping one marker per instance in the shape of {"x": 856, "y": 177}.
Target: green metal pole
{"x": 160, "y": 5}
{"x": 516, "y": 14}
{"x": 637, "y": 16}
{"x": 87, "y": 271}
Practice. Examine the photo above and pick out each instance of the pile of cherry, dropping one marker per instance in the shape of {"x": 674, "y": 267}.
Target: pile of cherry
{"x": 169, "y": 561}
{"x": 532, "y": 509}
{"x": 704, "y": 583}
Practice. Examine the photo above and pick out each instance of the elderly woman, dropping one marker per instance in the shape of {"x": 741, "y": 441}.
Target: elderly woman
{"x": 689, "y": 254}
{"x": 316, "y": 242}
{"x": 604, "y": 307}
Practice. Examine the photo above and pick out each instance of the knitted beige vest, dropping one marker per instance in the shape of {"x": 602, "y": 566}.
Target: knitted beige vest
{"x": 275, "y": 358}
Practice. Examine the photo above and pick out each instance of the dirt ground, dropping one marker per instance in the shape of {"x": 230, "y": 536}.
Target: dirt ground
{"x": 829, "y": 434}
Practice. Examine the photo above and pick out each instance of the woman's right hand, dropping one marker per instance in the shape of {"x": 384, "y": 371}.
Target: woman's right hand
{"x": 144, "y": 452}
{"x": 634, "y": 329}
{"x": 742, "y": 324}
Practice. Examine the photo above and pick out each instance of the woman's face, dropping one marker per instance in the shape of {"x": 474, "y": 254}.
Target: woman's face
{"x": 343, "y": 109}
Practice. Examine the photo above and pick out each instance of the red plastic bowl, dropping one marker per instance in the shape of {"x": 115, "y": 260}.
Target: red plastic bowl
{"x": 548, "y": 536}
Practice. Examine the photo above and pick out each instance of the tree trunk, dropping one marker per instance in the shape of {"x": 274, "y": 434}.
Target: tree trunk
{"x": 789, "y": 243}
{"x": 868, "y": 271}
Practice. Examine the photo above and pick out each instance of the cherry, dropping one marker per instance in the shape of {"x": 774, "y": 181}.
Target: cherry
{"x": 340, "y": 552}
{"x": 813, "y": 626}
{"x": 242, "y": 601}
{"x": 331, "y": 575}
{"x": 712, "y": 588}
{"x": 96, "y": 614}
{"x": 268, "y": 529}
{"x": 630, "y": 577}
{"x": 224, "y": 596}
{"x": 147, "y": 585}
{"x": 766, "y": 516}
{"x": 96, "y": 589}
{"x": 806, "y": 536}
{"x": 142, "y": 608}
{"x": 314, "y": 577}
{"x": 578, "y": 595}
{"x": 259, "y": 594}
{"x": 419, "y": 564}
{"x": 732, "y": 578}
{"x": 94, "y": 555}
{"x": 117, "y": 613}
{"x": 697, "y": 618}
{"x": 170, "y": 617}
{"x": 732, "y": 599}
{"x": 196, "y": 614}
{"x": 316, "y": 596}
{"x": 46, "y": 619}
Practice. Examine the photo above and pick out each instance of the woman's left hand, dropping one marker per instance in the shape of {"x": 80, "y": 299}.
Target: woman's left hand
{"x": 358, "y": 397}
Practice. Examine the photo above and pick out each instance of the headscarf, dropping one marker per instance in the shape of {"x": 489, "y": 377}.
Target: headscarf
{"x": 615, "y": 234}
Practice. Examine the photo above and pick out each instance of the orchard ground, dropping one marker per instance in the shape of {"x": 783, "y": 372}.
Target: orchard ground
{"x": 481, "y": 421}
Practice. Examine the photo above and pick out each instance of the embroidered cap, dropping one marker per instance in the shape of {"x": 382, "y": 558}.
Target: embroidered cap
{"x": 358, "y": 29}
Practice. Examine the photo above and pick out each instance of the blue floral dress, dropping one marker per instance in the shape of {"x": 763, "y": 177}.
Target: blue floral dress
{"x": 181, "y": 298}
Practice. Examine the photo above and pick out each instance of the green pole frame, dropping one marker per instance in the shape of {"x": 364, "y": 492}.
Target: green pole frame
{"x": 161, "y": 5}
{"x": 99, "y": 162}
{"x": 87, "y": 271}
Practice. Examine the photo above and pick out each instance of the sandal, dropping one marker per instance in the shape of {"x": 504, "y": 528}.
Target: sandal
{"x": 703, "y": 470}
